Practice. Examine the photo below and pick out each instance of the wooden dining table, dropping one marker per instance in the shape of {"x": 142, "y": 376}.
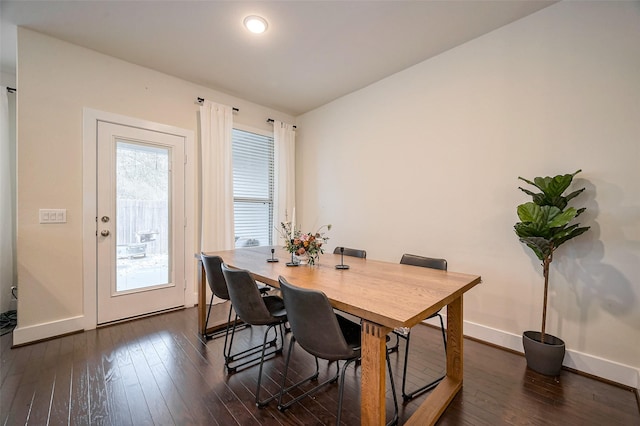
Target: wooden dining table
{"x": 385, "y": 296}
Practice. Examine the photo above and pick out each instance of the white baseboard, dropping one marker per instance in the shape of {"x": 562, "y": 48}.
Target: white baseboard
{"x": 33, "y": 333}
{"x": 610, "y": 370}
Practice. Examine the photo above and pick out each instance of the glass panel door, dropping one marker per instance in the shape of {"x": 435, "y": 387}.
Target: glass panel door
{"x": 142, "y": 218}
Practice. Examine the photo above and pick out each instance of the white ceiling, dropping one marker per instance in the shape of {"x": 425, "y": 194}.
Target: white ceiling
{"x": 312, "y": 53}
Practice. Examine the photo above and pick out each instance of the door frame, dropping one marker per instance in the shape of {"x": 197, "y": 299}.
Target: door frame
{"x": 91, "y": 117}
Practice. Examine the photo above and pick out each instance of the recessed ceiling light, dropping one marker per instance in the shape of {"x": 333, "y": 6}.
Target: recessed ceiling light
{"x": 255, "y": 24}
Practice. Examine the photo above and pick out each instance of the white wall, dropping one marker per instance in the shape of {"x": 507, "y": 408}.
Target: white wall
{"x": 57, "y": 80}
{"x": 426, "y": 161}
{"x": 7, "y": 301}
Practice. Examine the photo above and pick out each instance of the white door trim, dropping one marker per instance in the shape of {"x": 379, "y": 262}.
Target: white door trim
{"x": 89, "y": 204}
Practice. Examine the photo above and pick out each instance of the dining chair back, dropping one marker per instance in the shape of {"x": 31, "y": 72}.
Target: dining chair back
{"x": 351, "y": 252}
{"x": 425, "y": 262}
{"x": 316, "y": 327}
{"x": 213, "y": 270}
{"x": 218, "y": 287}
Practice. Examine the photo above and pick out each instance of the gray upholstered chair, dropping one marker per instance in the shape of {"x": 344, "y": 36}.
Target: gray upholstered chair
{"x": 324, "y": 334}
{"x": 254, "y": 309}
{"x": 425, "y": 262}
{"x": 351, "y": 252}
{"x": 218, "y": 285}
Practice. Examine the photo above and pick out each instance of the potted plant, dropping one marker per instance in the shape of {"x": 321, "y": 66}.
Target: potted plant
{"x": 544, "y": 226}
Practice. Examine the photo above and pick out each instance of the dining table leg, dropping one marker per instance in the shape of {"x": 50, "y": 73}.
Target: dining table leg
{"x": 202, "y": 298}
{"x": 374, "y": 350}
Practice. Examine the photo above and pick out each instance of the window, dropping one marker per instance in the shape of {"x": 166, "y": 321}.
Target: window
{"x": 252, "y": 188}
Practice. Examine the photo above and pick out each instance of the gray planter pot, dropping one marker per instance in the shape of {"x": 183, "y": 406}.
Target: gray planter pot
{"x": 545, "y": 358}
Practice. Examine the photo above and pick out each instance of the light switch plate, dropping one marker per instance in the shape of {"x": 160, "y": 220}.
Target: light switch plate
{"x": 53, "y": 215}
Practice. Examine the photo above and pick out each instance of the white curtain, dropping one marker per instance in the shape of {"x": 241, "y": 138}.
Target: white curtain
{"x": 284, "y": 200}
{"x": 6, "y": 205}
{"x": 216, "y": 124}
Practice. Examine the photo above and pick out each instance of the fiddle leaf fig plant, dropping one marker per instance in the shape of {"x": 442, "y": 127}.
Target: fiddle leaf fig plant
{"x": 545, "y": 223}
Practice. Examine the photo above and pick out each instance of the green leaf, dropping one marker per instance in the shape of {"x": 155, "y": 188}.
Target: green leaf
{"x": 569, "y": 234}
{"x": 574, "y": 194}
{"x": 526, "y": 180}
{"x": 526, "y": 229}
{"x": 559, "y": 218}
{"x": 527, "y": 212}
{"x": 543, "y": 215}
{"x": 526, "y": 191}
{"x": 541, "y": 246}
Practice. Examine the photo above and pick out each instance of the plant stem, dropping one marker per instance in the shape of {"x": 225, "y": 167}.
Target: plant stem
{"x": 545, "y": 270}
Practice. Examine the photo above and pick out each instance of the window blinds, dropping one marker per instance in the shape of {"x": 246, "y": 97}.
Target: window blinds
{"x": 252, "y": 188}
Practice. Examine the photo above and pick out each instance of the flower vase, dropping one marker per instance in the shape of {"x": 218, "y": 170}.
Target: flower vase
{"x": 302, "y": 259}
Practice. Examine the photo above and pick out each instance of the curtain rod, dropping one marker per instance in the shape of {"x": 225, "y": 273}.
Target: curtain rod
{"x": 271, "y": 120}
{"x": 11, "y": 90}
{"x": 201, "y": 100}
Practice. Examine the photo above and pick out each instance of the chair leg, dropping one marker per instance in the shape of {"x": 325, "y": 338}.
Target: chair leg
{"x": 264, "y": 402}
{"x": 405, "y": 397}
{"x": 227, "y": 351}
{"x": 219, "y": 333}
{"x": 314, "y": 376}
{"x": 339, "y": 372}
{"x": 226, "y": 335}
{"x": 341, "y": 390}
{"x": 248, "y": 353}
{"x": 206, "y": 322}
{"x": 444, "y": 333}
{"x": 394, "y": 420}
{"x": 408, "y": 396}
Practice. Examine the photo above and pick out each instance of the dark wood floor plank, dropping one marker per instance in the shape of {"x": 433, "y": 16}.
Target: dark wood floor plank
{"x": 138, "y": 408}
{"x": 156, "y": 403}
{"x": 79, "y": 393}
{"x": 25, "y": 393}
{"x": 159, "y": 371}
{"x": 118, "y": 405}
{"x": 11, "y": 361}
{"x": 97, "y": 390}
{"x": 45, "y": 386}
{"x": 14, "y": 364}
{"x": 9, "y": 390}
{"x": 60, "y": 404}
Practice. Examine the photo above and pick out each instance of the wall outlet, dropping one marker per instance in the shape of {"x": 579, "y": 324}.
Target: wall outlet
{"x": 53, "y": 215}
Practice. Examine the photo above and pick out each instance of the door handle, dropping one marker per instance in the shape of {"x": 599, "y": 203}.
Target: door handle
{"x": 104, "y": 232}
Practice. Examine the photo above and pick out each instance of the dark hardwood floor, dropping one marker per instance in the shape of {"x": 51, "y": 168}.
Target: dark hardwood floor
{"x": 158, "y": 371}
